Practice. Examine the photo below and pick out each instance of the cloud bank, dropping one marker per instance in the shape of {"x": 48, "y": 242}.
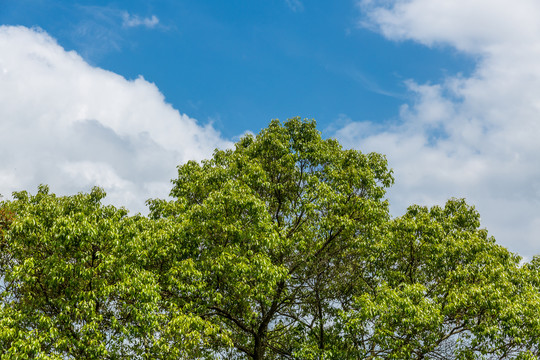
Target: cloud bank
{"x": 475, "y": 137}
{"x": 73, "y": 126}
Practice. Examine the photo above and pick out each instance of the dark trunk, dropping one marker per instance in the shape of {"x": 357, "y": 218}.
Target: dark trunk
{"x": 259, "y": 348}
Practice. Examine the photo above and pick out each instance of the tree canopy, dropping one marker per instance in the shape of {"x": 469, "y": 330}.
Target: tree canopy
{"x": 280, "y": 248}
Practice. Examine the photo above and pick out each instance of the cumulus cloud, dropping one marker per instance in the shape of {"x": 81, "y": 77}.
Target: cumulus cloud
{"x": 73, "y": 126}
{"x": 473, "y": 137}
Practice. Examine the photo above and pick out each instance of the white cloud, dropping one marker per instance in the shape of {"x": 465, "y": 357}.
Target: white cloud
{"x": 134, "y": 21}
{"x": 98, "y": 30}
{"x": 71, "y": 125}
{"x": 477, "y": 26}
{"x": 474, "y": 137}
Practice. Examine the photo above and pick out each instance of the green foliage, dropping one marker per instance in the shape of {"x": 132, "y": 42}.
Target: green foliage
{"x": 281, "y": 248}
{"x": 71, "y": 287}
{"x": 270, "y": 225}
{"x": 445, "y": 290}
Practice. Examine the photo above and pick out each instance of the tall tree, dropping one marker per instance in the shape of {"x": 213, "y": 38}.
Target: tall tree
{"x": 268, "y": 226}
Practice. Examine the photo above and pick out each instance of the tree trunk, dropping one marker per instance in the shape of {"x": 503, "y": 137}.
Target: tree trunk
{"x": 259, "y": 348}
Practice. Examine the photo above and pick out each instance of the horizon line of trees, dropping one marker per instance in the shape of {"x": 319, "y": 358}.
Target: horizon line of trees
{"x": 281, "y": 248}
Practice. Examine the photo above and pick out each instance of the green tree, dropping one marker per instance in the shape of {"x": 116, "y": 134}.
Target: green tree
{"x": 71, "y": 287}
{"x": 445, "y": 291}
{"x": 267, "y": 230}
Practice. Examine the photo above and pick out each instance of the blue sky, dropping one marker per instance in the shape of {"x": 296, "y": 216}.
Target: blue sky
{"x": 117, "y": 93}
{"x": 239, "y": 64}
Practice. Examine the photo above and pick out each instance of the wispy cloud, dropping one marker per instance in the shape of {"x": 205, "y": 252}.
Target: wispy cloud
{"x": 366, "y": 81}
{"x": 99, "y": 30}
{"x": 295, "y": 5}
{"x": 135, "y": 21}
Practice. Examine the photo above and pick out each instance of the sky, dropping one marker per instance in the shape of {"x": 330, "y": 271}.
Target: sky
{"x": 118, "y": 93}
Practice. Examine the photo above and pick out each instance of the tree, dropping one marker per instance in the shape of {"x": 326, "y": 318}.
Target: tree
{"x": 445, "y": 291}
{"x": 72, "y": 287}
{"x": 268, "y": 227}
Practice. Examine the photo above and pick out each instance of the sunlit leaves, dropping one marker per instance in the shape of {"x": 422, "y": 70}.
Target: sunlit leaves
{"x": 266, "y": 224}
{"x": 281, "y": 248}
{"x": 446, "y": 291}
{"x": 72, "y": 288}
